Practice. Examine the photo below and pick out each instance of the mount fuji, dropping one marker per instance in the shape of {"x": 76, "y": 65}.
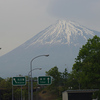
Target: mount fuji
{"x": 62, "y": 41}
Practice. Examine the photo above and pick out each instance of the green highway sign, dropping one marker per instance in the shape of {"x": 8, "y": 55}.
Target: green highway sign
{"x": 44, "y": 80}
{"x": 18, "y": 81}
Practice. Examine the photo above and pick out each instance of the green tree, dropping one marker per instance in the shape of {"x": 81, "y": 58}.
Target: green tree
{"x": 1, "y": 79}
{"x": 56, "y": 79}
{"x": 72, "y": 82}
{"x": 65, "y": 75}
{"x": 6, "y": 90}
{"x": 87, "y": 64}
{"x": 56, "y": 75}
{"x": 6, "y": 86}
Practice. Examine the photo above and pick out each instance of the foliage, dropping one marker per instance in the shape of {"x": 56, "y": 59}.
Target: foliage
{"x": 6, "y": 90}
{"x": 1, "y": 79}
{"x": 59, "y": 80}
{"x": 86, "y": 69}
{"x": 56, "y": 75}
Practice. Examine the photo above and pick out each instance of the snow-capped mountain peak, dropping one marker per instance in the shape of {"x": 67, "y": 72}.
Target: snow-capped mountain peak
{"x": 62, "y": 32}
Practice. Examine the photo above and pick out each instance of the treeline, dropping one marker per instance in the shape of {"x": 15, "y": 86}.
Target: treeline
{"x": 85, "y": 74}
{"x": 8, "y": 91}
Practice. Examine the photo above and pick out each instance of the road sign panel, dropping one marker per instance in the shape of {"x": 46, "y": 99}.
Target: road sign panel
{"x": 19, "y": 81}
{"x": 44, "y": 80}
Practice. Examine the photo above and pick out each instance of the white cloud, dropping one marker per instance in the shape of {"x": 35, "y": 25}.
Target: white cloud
{"x": 84, "y": 11}
{"x": 95, "y": 7}
{"x": 68, "y": 8}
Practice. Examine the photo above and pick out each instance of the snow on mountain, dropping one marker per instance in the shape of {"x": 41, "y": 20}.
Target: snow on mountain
{"x": 62, "y": 32}
{"x": 61, "y": 41}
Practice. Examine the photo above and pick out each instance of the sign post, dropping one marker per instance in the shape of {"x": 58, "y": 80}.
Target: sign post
{"x": 19, "y": 81}
{"x": 44, "y": 80}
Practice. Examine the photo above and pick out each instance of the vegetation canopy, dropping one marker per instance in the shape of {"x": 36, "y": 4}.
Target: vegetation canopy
{"x": 87, "y": 64}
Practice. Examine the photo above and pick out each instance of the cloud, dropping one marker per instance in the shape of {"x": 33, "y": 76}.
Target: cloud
{"x": 95, "y": 6}
{"x": 74, "y": 8}
{"x": 86, "y": 12}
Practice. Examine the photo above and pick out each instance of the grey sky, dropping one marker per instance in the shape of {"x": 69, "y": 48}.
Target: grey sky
{"x": 86, "y": 12}
{"x": 22, "y": 19}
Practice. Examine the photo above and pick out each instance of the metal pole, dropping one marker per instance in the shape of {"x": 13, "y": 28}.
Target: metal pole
{"x": 28, "y": 80}
{"x": 31, "y": 81}
{"x": 31, "y": 74}
{"x": 12, "y": 92}
{"x": 21, "y": 92}
{"x": 28, "y": 90}
{"x": 79, "y": 86}
{"x": 12, "y": 89}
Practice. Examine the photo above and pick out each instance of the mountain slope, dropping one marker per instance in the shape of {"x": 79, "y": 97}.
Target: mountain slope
{"x": 62, "y": 32}
{"x": 61, "y": 41}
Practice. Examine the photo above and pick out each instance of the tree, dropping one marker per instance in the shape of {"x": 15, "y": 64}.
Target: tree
{"x": 5, "y": 85}
{"x": 87, "y": 64}
{"x": 65, "y": 75}
{"x": 56, "y": 75}
{"x": 6, "y": 90}
{"x": 56, "y": 79}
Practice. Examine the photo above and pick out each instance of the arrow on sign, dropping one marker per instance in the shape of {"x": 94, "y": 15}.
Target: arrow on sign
{"x": 48, "y": 80}
{"x": 44, "y": 80}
